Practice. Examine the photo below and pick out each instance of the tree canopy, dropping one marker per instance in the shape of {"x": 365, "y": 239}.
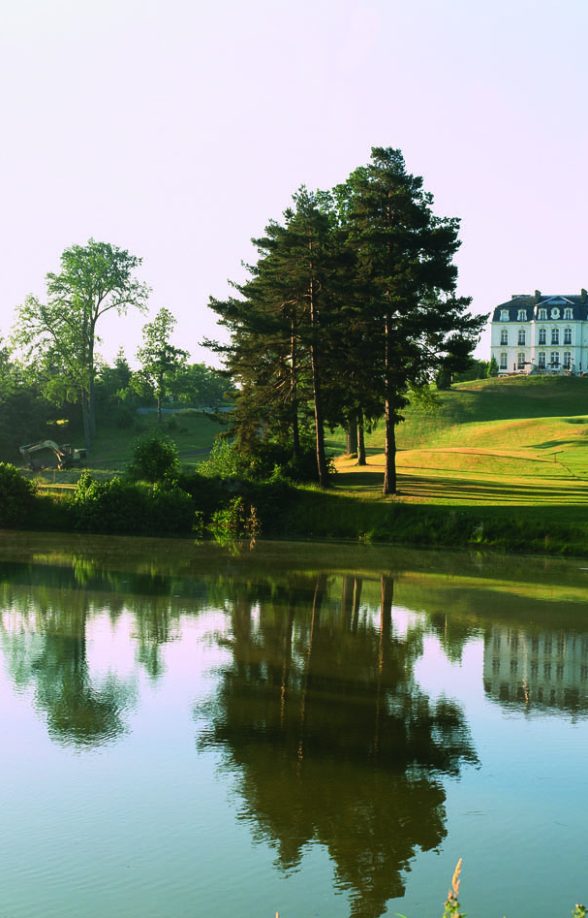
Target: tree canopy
{"x": 93, "y": 279}
{"x": 350, "y": 303}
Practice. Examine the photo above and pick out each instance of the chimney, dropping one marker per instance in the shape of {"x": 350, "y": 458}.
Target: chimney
{"x": 537, "y": 295}
{"x": 584, "y": 295}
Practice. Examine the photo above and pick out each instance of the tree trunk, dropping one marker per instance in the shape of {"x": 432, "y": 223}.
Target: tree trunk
{"x": 351, "y": 434}
{"x": 389, "y": 422}
{"x": 319, "y": 590}
{"x": 347, "y": 599}
{"x": 321, "y": 459}
{"x": 86, "y": 420}
{"x": 91, "y": 390}
{"x": 294, "y": 393}
{"x": 361, "y": 458}
{"x": 357, "y": 584}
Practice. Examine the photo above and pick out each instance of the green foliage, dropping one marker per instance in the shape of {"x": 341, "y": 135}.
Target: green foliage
{"x": 160, "y": 360}
{"x": 201, "y": 386}
{"x": 16, "y": 496}
{"x": 223, "y": 461}
{"x": 155, "y": 458}
{"x": 62, "y": 333}
{"x": 475, "y": 369}
{"x": 117, "y": 505}
{"x": 263, "y": 460}
{"x": 493, "y": 367}
{"x": 238, "y": 521}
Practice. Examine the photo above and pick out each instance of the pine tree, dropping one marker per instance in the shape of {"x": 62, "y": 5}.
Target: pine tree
{"x": 407, "y": 277}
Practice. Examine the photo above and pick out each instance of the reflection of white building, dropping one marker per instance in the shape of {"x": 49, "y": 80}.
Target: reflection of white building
{"x": 546, "y": 669}
{"x": 541, "y": 334}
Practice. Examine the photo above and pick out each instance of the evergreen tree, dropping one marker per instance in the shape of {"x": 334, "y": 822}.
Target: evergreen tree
{"x": 280, "y": 329}
{"x": 407, "y": 277}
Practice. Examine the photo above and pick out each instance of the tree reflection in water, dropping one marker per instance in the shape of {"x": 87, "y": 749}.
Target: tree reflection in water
{"x": 44, "y": 640}
{"x": 319, "y": 714}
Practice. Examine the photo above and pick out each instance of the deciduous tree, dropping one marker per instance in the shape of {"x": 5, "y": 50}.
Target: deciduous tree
{"x": 93, "y": 279}
{"x": 160, "y": 359}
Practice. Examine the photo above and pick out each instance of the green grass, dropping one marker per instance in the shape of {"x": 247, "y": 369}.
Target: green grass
{"x": 497, "y": 461}
{"x": 492, "y": 442}
{"x": 113, "y": 447}
{"x": 500, "y": 462}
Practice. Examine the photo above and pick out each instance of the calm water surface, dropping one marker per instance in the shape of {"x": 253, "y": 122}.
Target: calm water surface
{"x": 319, "y": 730}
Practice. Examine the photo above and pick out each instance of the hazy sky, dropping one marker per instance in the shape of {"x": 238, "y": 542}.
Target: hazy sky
{"x": 176, "y": 129}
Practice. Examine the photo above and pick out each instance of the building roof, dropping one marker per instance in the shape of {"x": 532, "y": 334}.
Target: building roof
{"x": 532, "y": 302}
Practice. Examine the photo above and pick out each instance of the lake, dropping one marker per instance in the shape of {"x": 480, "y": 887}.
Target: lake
{"x": 311, "y": 729}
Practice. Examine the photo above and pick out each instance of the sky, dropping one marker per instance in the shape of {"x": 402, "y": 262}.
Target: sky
{"x": 177, "y": 129}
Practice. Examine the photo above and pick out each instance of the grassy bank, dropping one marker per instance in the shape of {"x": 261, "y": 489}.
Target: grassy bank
{"x": 500, "y": 463}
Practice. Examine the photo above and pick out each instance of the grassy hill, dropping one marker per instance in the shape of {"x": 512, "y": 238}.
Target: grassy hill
{"x": 500, "y": 462}
{"x": 496, "y": 442}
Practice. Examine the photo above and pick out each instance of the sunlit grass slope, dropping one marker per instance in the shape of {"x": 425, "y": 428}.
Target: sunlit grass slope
{"x": 510, "y": 441}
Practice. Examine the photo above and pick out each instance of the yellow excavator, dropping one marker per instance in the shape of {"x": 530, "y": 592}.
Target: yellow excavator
{"x": 46, "y": 454}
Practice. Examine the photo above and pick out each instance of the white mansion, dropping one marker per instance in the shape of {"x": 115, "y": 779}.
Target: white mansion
{"x": 541, "y": 334}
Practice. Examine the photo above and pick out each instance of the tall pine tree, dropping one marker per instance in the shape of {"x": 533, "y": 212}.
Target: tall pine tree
{"x": 405, "y": 272}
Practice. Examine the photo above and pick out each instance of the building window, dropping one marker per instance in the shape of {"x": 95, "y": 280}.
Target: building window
{"x": 567, "y": 360}
{"x": 503, "y": 363}
{"x": 521, "y": 336}
{"x": 522, "y": 315}
{"x": 568, "y": 313}
{"x": 542, "y": 314}
{"x": 555, "y": 335}
{"x": 542, "y": 336}
{"x": 504, "y": 336}
{"x": 541, "y": 360}
{"x": 567, "y": 335}
{"x": 554, "y": 363}
{"x": 521, "y": 361}
{"x": 504, "y": 315}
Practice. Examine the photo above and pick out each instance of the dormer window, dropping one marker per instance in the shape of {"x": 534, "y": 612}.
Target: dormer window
{"x": 555, "y": 313}
{"x": 542, "y": 315}
{"x": 568, "y": 313}
{"x": 504, "y": 315}
{"x": 522, "y": 315}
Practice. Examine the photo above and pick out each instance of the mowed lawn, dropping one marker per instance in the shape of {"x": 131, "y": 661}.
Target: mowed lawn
{"x": 510, "y": 441}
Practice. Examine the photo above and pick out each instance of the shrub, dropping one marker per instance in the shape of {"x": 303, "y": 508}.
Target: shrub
{"x": 155, "y": 458}
{"x": 237, "y": 521}
{"x": 122, "y": 506}
{"x": 223, "y": 461}
{"x": 17, "y": 496}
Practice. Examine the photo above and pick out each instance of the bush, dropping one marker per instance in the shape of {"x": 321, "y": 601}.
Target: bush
{"x": 155, "y": 458}
{"x": 269, "y": 460}
{"x": 237, "y": 521}
{"x": 17, "y": 496}
{"x": 120, "y": 506}
{"x": 223, "y": 461}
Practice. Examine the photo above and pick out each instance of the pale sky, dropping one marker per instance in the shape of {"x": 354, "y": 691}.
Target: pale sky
{"x": 177, "y": 129}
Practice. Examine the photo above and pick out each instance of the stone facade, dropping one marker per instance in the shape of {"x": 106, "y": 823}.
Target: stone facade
{"x": 541, "y": 334}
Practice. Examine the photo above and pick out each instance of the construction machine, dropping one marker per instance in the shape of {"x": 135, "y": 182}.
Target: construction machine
{"x": 47, "y": 454}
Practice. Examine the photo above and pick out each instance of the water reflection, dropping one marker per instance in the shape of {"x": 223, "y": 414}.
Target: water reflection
{"x": 44, "y": 640}
{"x": 319, "y": 713}
{"x": 314, "y": 709}
{"x": 547, "y": 670}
